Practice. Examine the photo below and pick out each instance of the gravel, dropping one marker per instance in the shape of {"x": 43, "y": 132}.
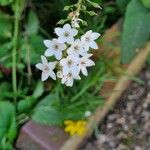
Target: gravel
{"x": 127, "y": 126}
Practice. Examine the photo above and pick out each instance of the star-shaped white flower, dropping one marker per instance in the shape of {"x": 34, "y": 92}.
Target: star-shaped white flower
{"x": 77, "y": 48}
{"x": 54, "y": 48}
{"x": 70, "y": 65}
{"x": 47, "y": 69}
{"x": 66, "y": 34}
{"x": 84, "y": 63}
{"x": 89, "y": 40}
{"x": 69, "y": 79}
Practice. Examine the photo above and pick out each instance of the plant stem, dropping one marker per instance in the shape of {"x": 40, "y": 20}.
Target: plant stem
{"x": 14, "y": 51}
{"x": 79, "y": 4}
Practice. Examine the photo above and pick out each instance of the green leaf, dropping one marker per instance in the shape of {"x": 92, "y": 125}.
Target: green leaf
{"x": 39, "y": 90}
{"x": 45, "y": 113}
{"x": 122, "y": 4}
{"x": 146, "y": 3}
{"x": 5, "y": 2}
{"x": 26, "y": 104}
{"x": 91, "y": 13}
{"x": 8, "y": 127}
{"x": 94, "y": 4}
{"x": 5, "y": 27}
{"x": 33, "y": 49}
{"x": 62, "y": 21}
{"x": 33, "y": 23}
{"x": 136, "y": 30}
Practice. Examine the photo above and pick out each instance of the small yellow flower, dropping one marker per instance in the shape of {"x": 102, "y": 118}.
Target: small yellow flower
{"x": 75, "y": 127}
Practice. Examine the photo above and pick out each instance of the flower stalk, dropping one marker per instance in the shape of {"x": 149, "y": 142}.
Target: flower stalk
{"x": 17, "y": 13}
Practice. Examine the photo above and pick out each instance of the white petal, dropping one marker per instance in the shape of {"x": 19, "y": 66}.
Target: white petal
{"x": 44, "y": 60}
{"x": 93, "y": 45}
{"x": 44, "y": 76}
{"x": 58, "y": 31}
{"x": 52, "y": 75}
{"x": 58, "y": 55}
{"x": 90, "y": 63}
{"x": 70, "y": 40}
{"x": 49, "y": 52}
{"x": 84, "y": 71}
{"x": 64, "y": 79}
{"x": 66, "y": 70}
{"x": 75, "y": 70}
{"x": 51, "y": 65}
{"x": 88, "y": 33}
{"x": 70, "y": 82}
{"x": 47, "y": 43}
{"x": 62, "y": 46}
{"x": 62, "y": 39}
{"x": 95, "y": 35}
{"x": 67, "y": 27}
{"x": 63, "y": 62}
{"x": 39, "y": 66}
{"x": 74, "y": 32}
{"x": 77, "y": 77}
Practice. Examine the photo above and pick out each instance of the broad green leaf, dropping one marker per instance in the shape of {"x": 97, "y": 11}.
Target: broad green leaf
{"x": 136, "y": 30}
{"x": 5, "y": 2}
{"x": 45, "y": 113}
{"x": 33, "y": 23}
{"x": 8, "y": 127}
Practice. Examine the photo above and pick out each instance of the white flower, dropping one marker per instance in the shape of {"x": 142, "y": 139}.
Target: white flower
{"x": 88, "y": 113}
{"x": 88, "y": 40}
{"x": 69, "y": 79}
{"x": 75, "y": 22}
{"x": 47, "y": 69}
{"x": 77, "y": 48}
{"x": 70, "y": 65}
{"x": 66, "y": 34}
{"x": 84, "y": 63}
{"x": 54, "y": 48}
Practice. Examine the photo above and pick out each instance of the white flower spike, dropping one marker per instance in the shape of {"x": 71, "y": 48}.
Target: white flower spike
{"x": 89, "y": 40}
{"x": 84, "y": 63}
{"x": 66, "y": 34}
{"x": 47, "y": 69}
{"x": 54, "y": 48}
{"x": 71, "y": 53}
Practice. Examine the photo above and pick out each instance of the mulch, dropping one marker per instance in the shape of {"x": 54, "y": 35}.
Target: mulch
{"x": 127, "y": 126}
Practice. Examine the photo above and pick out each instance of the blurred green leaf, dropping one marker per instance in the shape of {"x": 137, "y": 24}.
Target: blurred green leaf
{"x": 122, "y": 4}
{"x": 32, "y": 49}
{"x": 39, "y": 90}
{"x": 5, "y": 27}
{"x": 5, "y": 2}
{"x": 136, "y": 30}
{"x": 8, "y": 127}
{"x": 146, "y": 3}
{"x": 33, "y": 23}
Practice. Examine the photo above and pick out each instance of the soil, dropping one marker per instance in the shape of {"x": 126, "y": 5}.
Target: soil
{"x": 127, "y": 126}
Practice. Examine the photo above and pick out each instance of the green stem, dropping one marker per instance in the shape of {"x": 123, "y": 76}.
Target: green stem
{"x": 79, "y": 4}
{"x": 14, "y": 51}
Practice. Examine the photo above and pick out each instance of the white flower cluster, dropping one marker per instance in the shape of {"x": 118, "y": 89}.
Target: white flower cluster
{"x": 71, "y": 54}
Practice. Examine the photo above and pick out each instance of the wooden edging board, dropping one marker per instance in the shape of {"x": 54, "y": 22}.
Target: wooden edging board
{"x": 133, "y": 69}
